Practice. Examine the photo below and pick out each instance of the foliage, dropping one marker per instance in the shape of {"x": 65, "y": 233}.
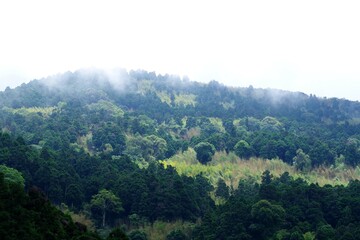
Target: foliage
{"x": 302, "y": 161}
{"x": 176, "y": 235}
{"x": 137, "y": 235}
{"x": 243, "y": 149}
{"x": 161, "y": 230}
{"x": 265, "y": 213}
{"x": 105, "y": 107}
{"x": 283, "y": 208}
{"x": 31, "y": 216}
{"x": 12, "y": 176}
{"x": 58, "y": 110}
{"x": 83, "y": 219}
{"x": 76, "y": 134}
{"x": 232, "y": 169}
{"x": 106, "y": 201}
{"x": 204, "y": 152}
{"x": 117, "y": 234}
{"x": 148, "y": 147}
{"x": 185, "y": 99}
{"x": 222, "y": 190}
{"x": 41, "y": 111}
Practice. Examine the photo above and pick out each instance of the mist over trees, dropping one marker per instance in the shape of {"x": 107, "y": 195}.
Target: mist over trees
{"x": 97, "y": 142}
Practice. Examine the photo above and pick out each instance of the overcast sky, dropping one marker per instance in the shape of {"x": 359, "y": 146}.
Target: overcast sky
{"x": 308, "y": 46}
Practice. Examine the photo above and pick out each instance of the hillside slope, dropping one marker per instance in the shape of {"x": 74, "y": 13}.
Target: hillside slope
{"x": 81, "y": 108}
{"x": 106, "y": 143}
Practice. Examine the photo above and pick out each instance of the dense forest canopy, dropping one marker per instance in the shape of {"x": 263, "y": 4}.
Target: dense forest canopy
{"x": 120, "y": 111}
{"x": 101, "y": 145}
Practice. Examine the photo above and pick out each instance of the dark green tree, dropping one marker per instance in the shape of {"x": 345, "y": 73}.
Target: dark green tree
{"x": 325, "y": 231}
{"x": 222, "y": 189}
{"x": 176, "y": 235}
{"x": 243, "y": 149}
{"x": 267, "y": 218}
{"x": 204, "y": 152}
{"x": 117, "y": 234}
{"x": 107, "y": 202}
{"x": 137, "y": 235}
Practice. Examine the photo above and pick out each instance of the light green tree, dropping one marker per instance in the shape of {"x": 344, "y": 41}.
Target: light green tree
{"x": 12, "y": 175}
{"x": 148, "y": 147}
{"x": 309, "y": 236}
{"x": 158, "y": 146}
{"x": 107, "y": 202}
{"x": 271, "y": 124}
{"x": 302, "y": 161}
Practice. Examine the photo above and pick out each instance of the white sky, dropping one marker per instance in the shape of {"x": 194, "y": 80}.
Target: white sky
{"x": 309, "y": 46}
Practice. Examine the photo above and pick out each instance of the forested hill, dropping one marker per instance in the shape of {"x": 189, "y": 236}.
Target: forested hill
{"x": 110, "y": 148}
{"x": 97, "y": 110}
